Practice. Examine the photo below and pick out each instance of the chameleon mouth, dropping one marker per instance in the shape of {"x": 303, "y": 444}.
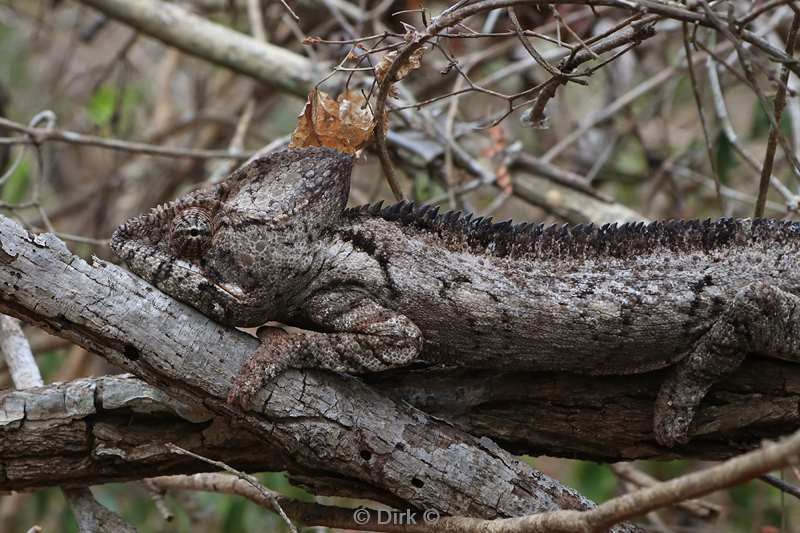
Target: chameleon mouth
{"x": 235, "y": 292}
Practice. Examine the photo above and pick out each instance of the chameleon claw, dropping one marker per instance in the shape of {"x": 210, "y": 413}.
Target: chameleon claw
{"x": 259, "y": 369}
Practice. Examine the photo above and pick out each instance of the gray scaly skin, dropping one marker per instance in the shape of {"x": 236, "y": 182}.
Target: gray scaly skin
{"x": 379, "y": 287}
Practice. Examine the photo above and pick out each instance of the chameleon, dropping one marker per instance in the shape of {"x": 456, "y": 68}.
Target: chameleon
{"x": 377, "y": 287}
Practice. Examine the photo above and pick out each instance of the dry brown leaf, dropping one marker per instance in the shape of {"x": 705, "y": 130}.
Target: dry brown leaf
{"x": 356, "y": 117}
{"x": 414, "y": 61}
{"x": 345, "y": 124}
{"x": 383, "y": 65}
{"x": 495, "y": 151}
{"x": 503, "y": 179}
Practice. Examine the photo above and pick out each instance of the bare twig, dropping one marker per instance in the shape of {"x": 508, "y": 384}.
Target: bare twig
{"x": 746, "y": 62}
{"x": 200, "y": 37}
{"x": 700, "y": 508}
{"x": 157, "y": 495}
{"x": 735, "y": 471}
{"x": 727, "y": 128}
{"x": 781, "y": 485}
{"x": 257, "y": 20}
{"x": 309, "y": 514}
{"x": 772, "y": 141}
{"x": 698, "y": 99}
{"x": 253, "y": 482}
{"x": 40, "y": 135}
{"x": 92, "y": 516}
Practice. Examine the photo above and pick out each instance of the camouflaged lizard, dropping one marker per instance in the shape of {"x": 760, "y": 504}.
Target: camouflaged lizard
{"x": 379, "y": 287}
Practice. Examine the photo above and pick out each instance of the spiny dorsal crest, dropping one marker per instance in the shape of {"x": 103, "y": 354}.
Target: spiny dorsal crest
{"x": 540, "y": 241}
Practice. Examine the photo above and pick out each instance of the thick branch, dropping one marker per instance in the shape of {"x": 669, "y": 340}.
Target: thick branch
{"x": 175, "y": 26}
{"x": 93, "y": 431}
{"x": 115, "y": 428}
{"x": 604, "y": 418}
{"x": 320, "y": 426}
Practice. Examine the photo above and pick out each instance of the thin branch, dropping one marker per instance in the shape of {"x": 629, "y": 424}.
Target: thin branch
{"x": 781, "y": 485}
{"x": 309, "y": 514}
{"x": 733, "y": 472}
{"x": 541, "y": 61}
{"x": 253, "y": 482}
{"x": 745, "y": 62}
{"x": 699, "y": 508}
{"x": 90, "y": 515}
{"x": 730, "y": 133}
{"x": 197, "y": 36}
{"x": 40, "y": 135}
{"x": 774, "y": 133}
{"x": 698, "y": 100}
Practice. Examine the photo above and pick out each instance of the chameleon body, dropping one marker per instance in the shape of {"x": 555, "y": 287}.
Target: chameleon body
{"x": 379, "y": 287}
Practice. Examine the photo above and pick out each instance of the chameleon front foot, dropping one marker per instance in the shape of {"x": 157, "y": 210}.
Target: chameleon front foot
{"x": 364, "y": 337}
{"x": 261, "y": 367}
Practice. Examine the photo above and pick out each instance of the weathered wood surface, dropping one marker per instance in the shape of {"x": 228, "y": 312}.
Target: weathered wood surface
{"x": 606, "y": 418}
{"x": 93, "y": 431}
{"x": 107, "y": 429}
{"x": 332, "y": 433}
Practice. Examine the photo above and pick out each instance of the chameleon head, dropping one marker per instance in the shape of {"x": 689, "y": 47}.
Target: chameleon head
{"x": 236, "y": 250}
{"x": 166, "y": 246}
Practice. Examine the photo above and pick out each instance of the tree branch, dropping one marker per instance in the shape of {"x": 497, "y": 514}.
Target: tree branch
{"x": 197, "y": 36}
{"x": 109, "y": 429}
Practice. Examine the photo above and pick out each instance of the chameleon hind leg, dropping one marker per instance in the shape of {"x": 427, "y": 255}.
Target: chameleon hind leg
{"x": 361, "y": 336}
{"x": 762, "y": 320}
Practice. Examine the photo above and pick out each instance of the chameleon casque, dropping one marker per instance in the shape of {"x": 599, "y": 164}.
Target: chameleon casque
{"x": 379, "y": 287}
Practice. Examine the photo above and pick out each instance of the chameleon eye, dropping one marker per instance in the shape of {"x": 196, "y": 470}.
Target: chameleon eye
{"x": 191, "y": 232}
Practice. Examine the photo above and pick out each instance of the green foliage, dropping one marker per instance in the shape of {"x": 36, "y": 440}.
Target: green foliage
{"x": 41, "y": 508}
{"x": 233, "y": 513}
{"x": 755, "y": 501}
{"x": 112, "y": 108}
{"x": 16, "y": 188}
{"x": 725, "y": 157}
{"x": 49, "y": 363}
{"x": 279, "y": 482}
{"x": 630, "y": 158}
{"x": 14, "y": 53}
{"x": 595, "y": 481}
{"x": 424, "y": 188}
{"x": 666, "y": 469}
{"x": 760, "y": 125}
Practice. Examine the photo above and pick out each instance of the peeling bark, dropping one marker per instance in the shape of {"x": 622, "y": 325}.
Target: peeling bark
{"x": 93, "y": 431}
